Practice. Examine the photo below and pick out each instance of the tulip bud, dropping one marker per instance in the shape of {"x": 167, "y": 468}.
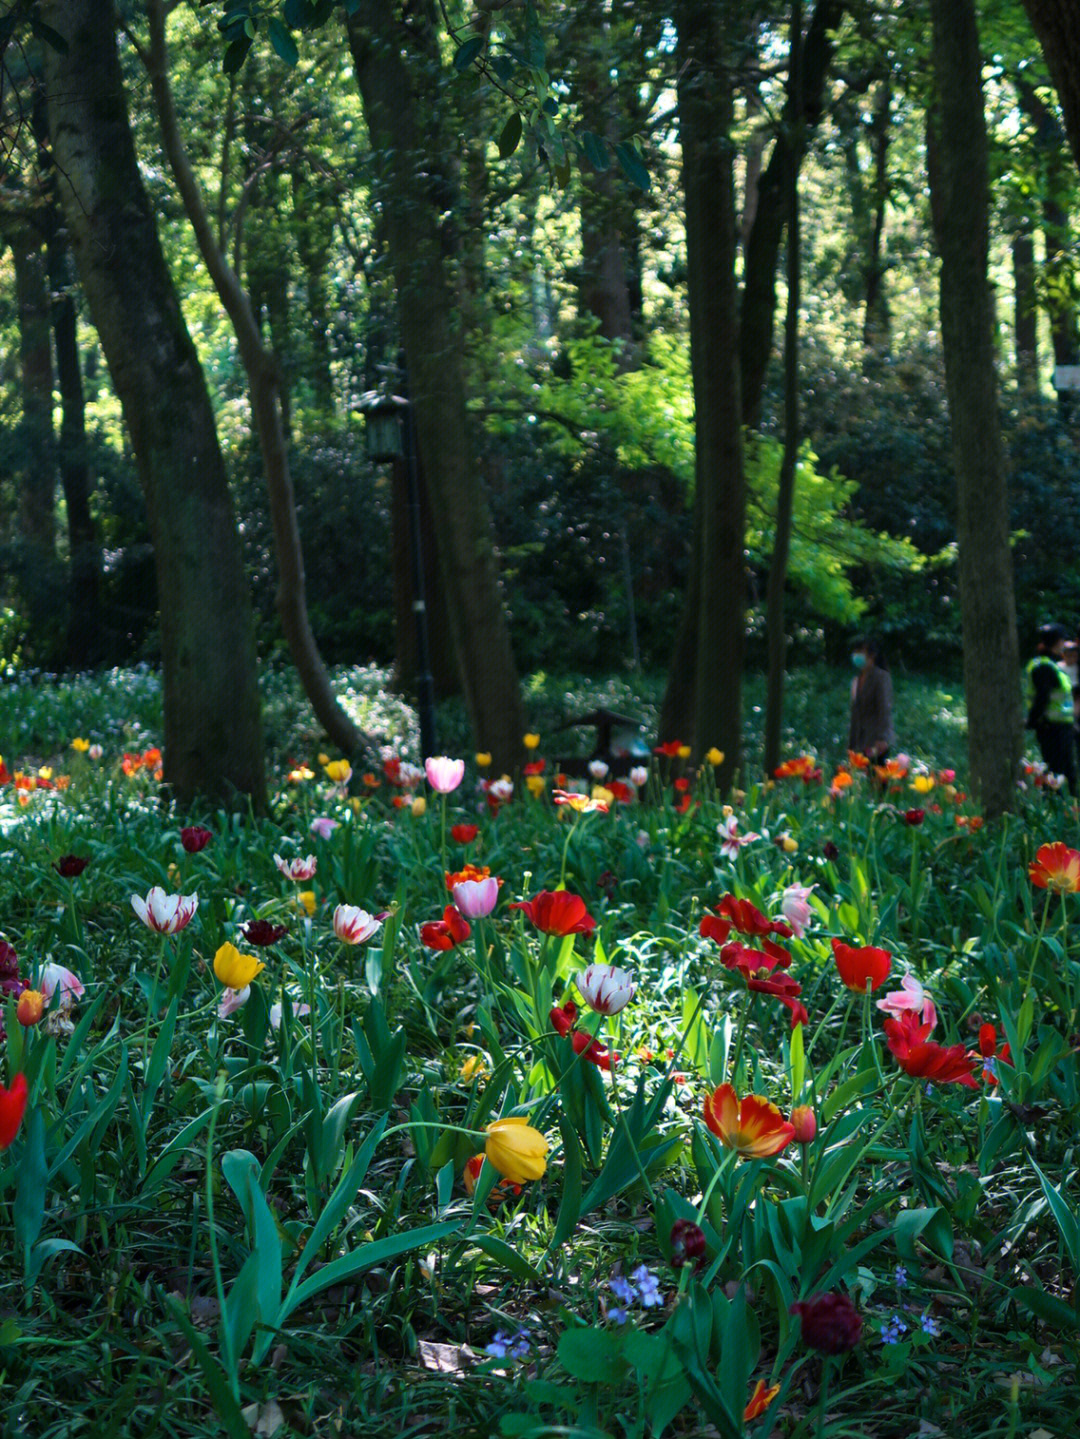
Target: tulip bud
{"x": 804, "y": 1122}
{"x": 830, "y": 1323}
{"x": 419, "y": 807}
{"x": 30, "y": 1008}
{"x": 687, "y": 1243}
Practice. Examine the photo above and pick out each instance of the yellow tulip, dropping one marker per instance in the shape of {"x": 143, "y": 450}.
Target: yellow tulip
{"x": 419, "y": 807}
{"x": 472, "y": 1068}
{"x": 515, "y": 1149}
{"x": 483, "y": 760}
{"x": 536, "y": 784}
{"x": 532, "y": 741}
{"x": 790, "y": 845}
{"x": 923, "y": 783}
{"x": 338, "y": 771}
{"x": 80, "y": 745}
{"x": 603, "y": 795}
{"x": 305, "y": 900}
{"x": 683, "y": 751}
{"x": 715, "y": 756}
{"x": 236, "y": 970}
{"x": 324, "y": 759}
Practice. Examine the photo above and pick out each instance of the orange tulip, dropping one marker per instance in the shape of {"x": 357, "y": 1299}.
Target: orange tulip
{"x": 1056, "y": 867}
{"x": 753, "y": 1127}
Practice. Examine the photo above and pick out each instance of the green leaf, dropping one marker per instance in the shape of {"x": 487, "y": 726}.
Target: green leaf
{"x": 570, "y": 1205}
{"x": 467, "y": 52}
{"x": 339, "y": 1201}
{"x": 535, "y": 49}
{"x": 1064, "y": 1217}
{"x": 235, "y": 54}
{"x": 934, "y": 1227}
{"x": 226, "y": 1409}
{"x": 632, "y": 165}
{"x": 510, "y": 136}
{"x": 283, "y": 43}
{"x": 594, "y": 1355}
{"x": 595, "y": 151}
{"x": 506, "y": 1255}
{"x": 366, "y": 1257}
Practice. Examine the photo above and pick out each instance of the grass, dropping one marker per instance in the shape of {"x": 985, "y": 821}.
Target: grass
{"x": 173, "y": 1167}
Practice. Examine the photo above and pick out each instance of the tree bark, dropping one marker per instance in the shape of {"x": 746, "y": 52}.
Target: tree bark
{"x": 959, "y": 190}
{"x": 213, "y": 734}
{"x": 84, "y": 647}
{"x": 394, "y": 60}
{"x": 876, "y": 319}
{"x": 1057, "y": 24}
{"x": 1026, "y": 313}
{"x": 36, "y": 506}
{"x": 264, "y": 380}
{"x": 714, "y": 620}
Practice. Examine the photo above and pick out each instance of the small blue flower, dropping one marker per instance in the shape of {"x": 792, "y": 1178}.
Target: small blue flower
{"x": 622, "y": 1289}
{"x": 900, "y": 1276}
{"x": 930, "y": 1325}
{"x": 990, "y": 1065}
{"x": 617, "y": 1315}
{"x": 648, "y": 1287}
{"x": 498, "y": 1346}
{"x": 891, "y": 1332}
{"x": 519, "y": 1349}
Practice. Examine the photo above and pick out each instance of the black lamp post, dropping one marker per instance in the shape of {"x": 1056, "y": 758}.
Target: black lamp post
{"x": 390, "y": 436}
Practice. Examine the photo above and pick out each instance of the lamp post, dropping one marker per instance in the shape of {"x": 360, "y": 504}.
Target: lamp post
{"x": 390, "y": 435}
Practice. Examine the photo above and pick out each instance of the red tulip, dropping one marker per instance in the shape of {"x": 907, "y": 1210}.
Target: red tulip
{"x": 1055, "y": 866}
{"x": 922, "y": 1058}
{"x": 263, "y": 932}
{"x": 194, "y": 838}
{"x": 558, "y": 912}
{"x": 447, "y": 932}
{"x": 859, "y": 967}
{"x": 12, "y": 1109}
{"x": 70, "y": 866}
{"x": 464, "y": 833}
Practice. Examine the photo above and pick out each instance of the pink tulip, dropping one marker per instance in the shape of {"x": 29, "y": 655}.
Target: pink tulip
{"x": 639, "y": 775}
{"x": 296, "y": 869}
{"x": 323, "y": 827}
{"x": 444, "y": 774}
{"x": 476, "y": 898}
{"x": 232, "y": 1000}
{"x": 55, "y": 977}
{"x": 354, "y": 925}
{"x": 605, "y": 988}
{"x": 165, "y": 913}
{"x": 598, "y": 769}
{"x": 794, "y": 907}
{"x": 910, "y": 997}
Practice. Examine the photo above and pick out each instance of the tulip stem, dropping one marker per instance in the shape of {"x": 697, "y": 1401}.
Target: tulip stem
{"x": 1038, "y": 946}
{"x": 823, "y": 1395}
{"x": 151, "y": 1005}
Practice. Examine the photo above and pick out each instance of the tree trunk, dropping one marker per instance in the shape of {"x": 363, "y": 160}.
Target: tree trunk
{"x": 775, "y": 627}
{"x": 443, "y": 669}
{"x": 1026, "y": 318}
{"x": 763, "y": 249}
{"x": 84, "y": 645}
{"x": 959, "y": 191}
{"x": 717, "y": 588}
{"x": 36, "y": 504}
{"x": 391, "y": 57}
{"x": 264, "y": 380}
{"x": 1057, "y": 24}
{"x": 876, "y": 319}
{"x": 213, "y": 734}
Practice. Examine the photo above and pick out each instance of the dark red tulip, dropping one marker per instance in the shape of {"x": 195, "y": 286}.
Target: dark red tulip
{"x": 70, "y": 866}
{"x": 194, "y": 838}
{"x": 830, "y": 1323}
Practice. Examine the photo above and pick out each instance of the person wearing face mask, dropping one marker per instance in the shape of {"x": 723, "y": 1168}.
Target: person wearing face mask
{"x": 1050, "y": 704}
{"x": 871, "y": 729}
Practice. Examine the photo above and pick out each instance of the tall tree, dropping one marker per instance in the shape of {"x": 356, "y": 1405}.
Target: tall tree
{"x": 959, "y": 192}
{"x": 708, "y": 689}
{"x": 775, "y": 628}
{"x": 267, "y": 408}
{"x": 1057, "y": 24}
{"x": 213, "y": 734}
{"x": 399, "y": 74}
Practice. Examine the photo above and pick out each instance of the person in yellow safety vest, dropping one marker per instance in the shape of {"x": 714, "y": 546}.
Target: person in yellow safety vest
{"x": 1050, "y": 704}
